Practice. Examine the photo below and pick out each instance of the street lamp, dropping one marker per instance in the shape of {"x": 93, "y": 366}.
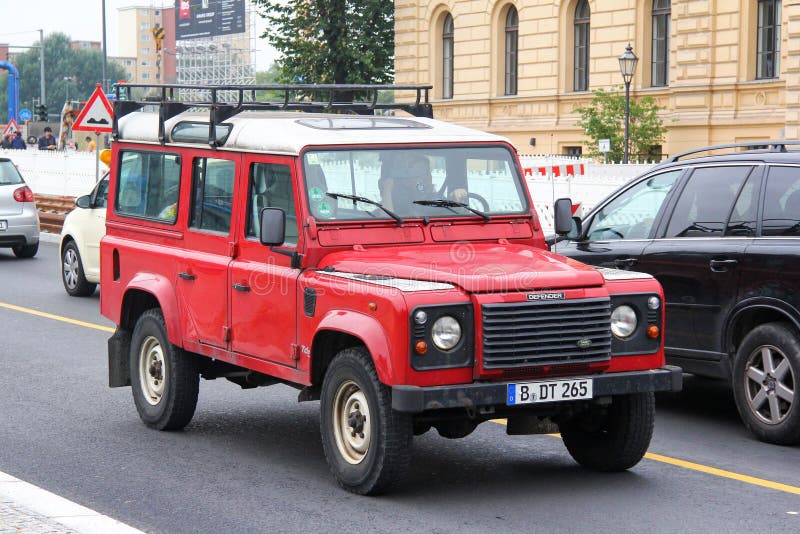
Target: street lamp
{"x": 67, "y": 79}
{"x": 627, "y": 66}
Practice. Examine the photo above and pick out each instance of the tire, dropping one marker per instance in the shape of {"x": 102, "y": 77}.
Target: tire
{"x": 766, "y": 383}
{"x": 26, "y": 251}
{"x": 616, "y": 439}
{"x": 72, "y": 275}
{"x": 373, "y": 460}
{"x": 164, "y": 379}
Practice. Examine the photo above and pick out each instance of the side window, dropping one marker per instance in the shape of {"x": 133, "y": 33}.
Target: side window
{"x": 745, "y": 212}
{"x": 148, "y": 185}
{"x": 101, "y": 194}
{"x": 212, "y": 194}
{"x": 782, "y": 202}
{"x": 271, "y": 187}
{"x": 705, "y": 203}
{"x": 632, "y": 214}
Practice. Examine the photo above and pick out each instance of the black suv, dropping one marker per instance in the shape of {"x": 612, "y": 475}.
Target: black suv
{"x": 722, "y": 235}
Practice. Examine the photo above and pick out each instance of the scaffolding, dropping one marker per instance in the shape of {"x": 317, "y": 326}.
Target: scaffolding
{"x": 219, "y": 60}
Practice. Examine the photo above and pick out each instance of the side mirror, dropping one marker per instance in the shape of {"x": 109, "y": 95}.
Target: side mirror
{"x": 273, "y": 226}
{"x": 83, "y": 202}
{"x": 562, "y": 216}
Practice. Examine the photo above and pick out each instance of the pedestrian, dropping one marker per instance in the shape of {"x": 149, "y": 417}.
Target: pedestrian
{"x": 90, "y": 145}
{"x": 6, "y": 143}
{"x": 47, "y": 141}
{"x": 18, "y": 143}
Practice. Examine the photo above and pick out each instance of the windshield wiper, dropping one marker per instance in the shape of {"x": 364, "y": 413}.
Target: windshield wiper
{"x": 366, "y": 200}
{"x": 442, "y": 203}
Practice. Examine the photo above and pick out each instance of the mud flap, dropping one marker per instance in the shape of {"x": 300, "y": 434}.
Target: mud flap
{"x": 119, "y": 348}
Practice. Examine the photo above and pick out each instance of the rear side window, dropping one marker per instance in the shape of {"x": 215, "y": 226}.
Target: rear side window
{"x": 782, "y": 202}
{"x": 705, "y": 203}
{"x": 148, "y": 185}
{"x": 212, "y": 194}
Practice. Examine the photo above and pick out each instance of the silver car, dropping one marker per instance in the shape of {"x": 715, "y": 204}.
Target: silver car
{"x": 19, "y": 220}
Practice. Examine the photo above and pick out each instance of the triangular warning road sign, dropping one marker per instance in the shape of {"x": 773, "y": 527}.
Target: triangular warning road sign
{"x": 96, "y": 115}
{"x": 11, "y": 127}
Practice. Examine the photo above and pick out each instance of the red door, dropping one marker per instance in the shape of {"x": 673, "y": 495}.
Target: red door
{"x": 202, "y": 277}
{"x": 263, "y": 289}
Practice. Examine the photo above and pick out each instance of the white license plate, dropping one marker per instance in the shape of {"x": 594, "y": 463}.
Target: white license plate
{"x": 550, "y": 391}
{"x": 3, "y": 225}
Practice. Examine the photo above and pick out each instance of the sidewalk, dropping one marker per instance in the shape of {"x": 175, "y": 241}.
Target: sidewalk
{"x": 17, "y": 520}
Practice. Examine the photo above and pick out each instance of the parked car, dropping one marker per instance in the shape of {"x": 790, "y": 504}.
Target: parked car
{"x": 19, "y": 220}
{"x": 391, "y": 267}
{"x": 81, "y": 233}
{"x": 721, "y": 234}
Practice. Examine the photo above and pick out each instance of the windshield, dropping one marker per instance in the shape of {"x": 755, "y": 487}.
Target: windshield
{"x": 402, "y": 180}
{"x": 8, "y": 173}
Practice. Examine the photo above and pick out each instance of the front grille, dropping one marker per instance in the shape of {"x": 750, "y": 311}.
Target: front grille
{"x": 525, "y": 334}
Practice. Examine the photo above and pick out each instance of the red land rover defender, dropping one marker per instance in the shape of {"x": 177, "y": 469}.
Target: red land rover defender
{"x": 391, "y": 267}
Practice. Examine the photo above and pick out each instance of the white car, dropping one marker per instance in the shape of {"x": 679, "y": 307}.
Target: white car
{"x": 83, "y": 229}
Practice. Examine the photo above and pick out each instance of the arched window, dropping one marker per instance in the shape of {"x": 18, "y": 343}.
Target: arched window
{"x": 769, "y": 39}
{"x": 447, "y": 57}
{"x": 659, "y": 63}
{"x": 512, "y": 45}
{"x": 581, "y": 22}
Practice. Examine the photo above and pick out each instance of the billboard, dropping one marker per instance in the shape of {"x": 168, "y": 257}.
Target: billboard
{"x": 207, "y": 18}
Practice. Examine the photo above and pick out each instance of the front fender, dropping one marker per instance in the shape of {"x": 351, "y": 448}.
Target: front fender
{"x": 371, "y": 332}
{"x": 163, "y": 290}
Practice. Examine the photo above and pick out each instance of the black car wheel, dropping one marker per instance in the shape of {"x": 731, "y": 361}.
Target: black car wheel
{"x": 26, "y": 251}
{"x": 766, "y": 371}
{"x": 366, "y": 443}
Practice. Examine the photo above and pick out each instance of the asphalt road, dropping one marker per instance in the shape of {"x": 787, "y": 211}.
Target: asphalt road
{"x": 251, "y": 460}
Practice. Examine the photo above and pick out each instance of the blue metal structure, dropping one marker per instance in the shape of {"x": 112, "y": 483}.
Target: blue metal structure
{"x": 13, "y": 90}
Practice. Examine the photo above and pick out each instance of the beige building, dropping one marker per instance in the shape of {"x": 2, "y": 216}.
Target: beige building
{"x": 136, "y": 41}
{"x": 721, "y": 70}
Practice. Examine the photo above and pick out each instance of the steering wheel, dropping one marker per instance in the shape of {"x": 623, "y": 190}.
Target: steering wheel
{"x": 484, "y": 204}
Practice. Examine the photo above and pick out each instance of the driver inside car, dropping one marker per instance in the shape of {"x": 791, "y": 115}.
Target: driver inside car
{"x": 409, "y": 180}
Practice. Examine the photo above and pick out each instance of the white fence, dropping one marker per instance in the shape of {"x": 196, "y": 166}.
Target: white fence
{"x": 548, "y": 177}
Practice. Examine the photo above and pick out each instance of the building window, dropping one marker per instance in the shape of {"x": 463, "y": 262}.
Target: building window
{"x": 573, "y": 151}
{"x": 659, "y": 75}
{"x": 145, "y": 76}
{"x": 144, "y": 26}
{"x": 145, "y": 63}
{"x": 145, "y": 37}
{"x": 447, "y": 57}
{"x": 128, "y": 62}
{"x": 512, "y": 46}
{"x": 769, "y": 39}
{"x": 145, "y": 50}
{"x": 581, "y": 71}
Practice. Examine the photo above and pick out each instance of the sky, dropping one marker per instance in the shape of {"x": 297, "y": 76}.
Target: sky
{"x": 20, "y": 21}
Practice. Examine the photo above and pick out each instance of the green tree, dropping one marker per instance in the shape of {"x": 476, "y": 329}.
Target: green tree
{"x": 270, "y": 76}
{"x": 60, "y": 61}
{"x": 604, "y": 118}
{"x": 331, "y": 41}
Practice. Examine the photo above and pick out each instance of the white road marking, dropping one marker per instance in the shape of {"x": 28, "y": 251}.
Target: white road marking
{"x": 59, "y": 509}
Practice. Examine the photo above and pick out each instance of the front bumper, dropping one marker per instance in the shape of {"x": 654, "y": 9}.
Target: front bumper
{"x": 415, "y": 399}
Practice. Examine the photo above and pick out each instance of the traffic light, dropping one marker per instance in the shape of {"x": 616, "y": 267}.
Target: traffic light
{"x": 41, "y": 112}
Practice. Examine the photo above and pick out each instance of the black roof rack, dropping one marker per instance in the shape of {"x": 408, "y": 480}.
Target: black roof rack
{"x": 336, "y": 98}
{"x": 771, "y": 146}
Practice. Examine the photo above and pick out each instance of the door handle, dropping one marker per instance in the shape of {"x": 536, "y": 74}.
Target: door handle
{"x": 625, "y": 263}
{"x": 720, "y": 266}
{"x": 241, "y": 287}
{"x": 186, "y": 276}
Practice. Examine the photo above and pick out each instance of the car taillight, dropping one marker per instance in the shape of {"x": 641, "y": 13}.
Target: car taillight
{"x": 23, "y": 194}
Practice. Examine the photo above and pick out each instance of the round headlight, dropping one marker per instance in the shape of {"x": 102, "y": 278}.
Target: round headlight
{"x": 623, "y": 321}
{"x": 653, "y": 303}
{"x": 446, "y": 332}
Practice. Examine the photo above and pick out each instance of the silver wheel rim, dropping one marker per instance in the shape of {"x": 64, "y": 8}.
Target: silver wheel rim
{"x": 769, "y": 384}
{"x": 71, "y": 268}
{"x": 152, "y": 370}
{"x": 352, "y": 426}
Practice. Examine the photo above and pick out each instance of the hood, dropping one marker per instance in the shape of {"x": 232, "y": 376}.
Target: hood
{"x": 477, "y": 268}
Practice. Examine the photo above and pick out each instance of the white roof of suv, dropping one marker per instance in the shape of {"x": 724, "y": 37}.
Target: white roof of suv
{"x": 287, "y": 133}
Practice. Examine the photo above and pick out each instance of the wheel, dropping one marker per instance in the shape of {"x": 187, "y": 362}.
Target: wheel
{"x": 26, "y": 251}
{"x": 72, "y": 276}
{"x": 366, "y": 443}
{"x": 164, "y": 379}
{"x": 614, "y": 438}
{"x": 766, "y": 371}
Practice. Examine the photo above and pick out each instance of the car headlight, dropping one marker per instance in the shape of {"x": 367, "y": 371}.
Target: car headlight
{"x": 446, "y": 332}
{"x": 623, "y": 321}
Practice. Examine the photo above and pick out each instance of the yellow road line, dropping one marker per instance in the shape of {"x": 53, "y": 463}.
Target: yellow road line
{"x": 706, "y": 469}
{"x": 56, "y": 317}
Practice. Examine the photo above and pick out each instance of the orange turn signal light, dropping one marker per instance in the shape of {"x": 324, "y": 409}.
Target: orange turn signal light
{"x": 653, "y": 331}
{"x": 421, "y": 347}
{"x": 372, "y": 306}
